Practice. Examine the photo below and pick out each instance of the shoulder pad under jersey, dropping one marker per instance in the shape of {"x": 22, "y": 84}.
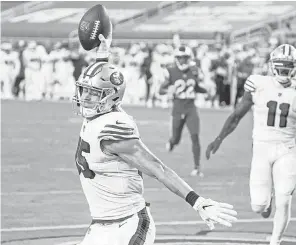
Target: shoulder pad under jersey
{"x": 194, "y": 69}
{"x": 119, "y": 126}
{"x": 254, "y": 82}
{"x": 294, "y": 83}
{"x": 170, "y": 68}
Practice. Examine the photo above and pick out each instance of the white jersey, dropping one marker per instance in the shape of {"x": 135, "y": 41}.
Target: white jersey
{"x": 274, "y": 109}
{"x": 33, "y": 59}
{"x": 116, "y": 191}
{"x": 9, "y": 60}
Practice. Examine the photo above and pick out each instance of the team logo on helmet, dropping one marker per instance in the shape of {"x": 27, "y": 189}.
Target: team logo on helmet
{"x": 116, "y": 78}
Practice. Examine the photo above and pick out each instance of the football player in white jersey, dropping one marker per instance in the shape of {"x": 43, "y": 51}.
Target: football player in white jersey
{"x": 274, "y": 151}
{"x": 10, "y": 67}
{"x": 110, "y": 158}
{"x": 34, "y": 77}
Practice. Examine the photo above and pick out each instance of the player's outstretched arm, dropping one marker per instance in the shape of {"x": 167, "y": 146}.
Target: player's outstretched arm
{"x": 200, "y": 89}
{"x": 135, "y": 153}
{"x": 231, "y": 123}
{"x": 164, "y": 87}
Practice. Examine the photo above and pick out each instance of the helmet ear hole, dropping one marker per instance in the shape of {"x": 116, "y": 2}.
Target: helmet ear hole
{"x": 80, "y": 88}
{"x": 103, "y": 94}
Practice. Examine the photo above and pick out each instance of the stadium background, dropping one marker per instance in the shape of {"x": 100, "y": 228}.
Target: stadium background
{"x": 229, "y": 40}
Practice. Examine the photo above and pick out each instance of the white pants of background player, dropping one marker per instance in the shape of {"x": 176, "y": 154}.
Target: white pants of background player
{"x": 34, "y": 84}
{"x": 273, "y": 166}
{"x": 7, "y": 80}
{"x": 138, "y": 229}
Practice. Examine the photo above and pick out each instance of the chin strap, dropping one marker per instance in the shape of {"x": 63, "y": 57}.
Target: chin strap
{"x": 285, "y": 82}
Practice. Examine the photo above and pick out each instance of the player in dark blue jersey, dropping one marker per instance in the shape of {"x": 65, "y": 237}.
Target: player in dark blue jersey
{"x": 183, "y": 79}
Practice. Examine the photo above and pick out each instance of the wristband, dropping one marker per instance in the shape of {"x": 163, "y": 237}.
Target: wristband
{"x": 102, "y": 59}
{"x": 191, "y": 198}
{"x": 219, "y": 138}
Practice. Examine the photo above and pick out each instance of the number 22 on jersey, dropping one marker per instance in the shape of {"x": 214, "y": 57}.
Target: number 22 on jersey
{"x": 184, "y": 89}
{"x": 272, "y": 109}
{"x": 81, "y": 163}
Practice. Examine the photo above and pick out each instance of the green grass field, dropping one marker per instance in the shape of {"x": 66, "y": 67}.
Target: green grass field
{"x": 41, "y": 192}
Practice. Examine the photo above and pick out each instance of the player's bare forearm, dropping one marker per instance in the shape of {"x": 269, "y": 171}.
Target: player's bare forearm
{"x": 200, "y": 90}
{"x": 233, "y": 120}
{"x": 231, "y": 123}
{"x": 229, "y": 126}
{"x": 164, "y": 88}
{"x": 138, "y": 155}
{"x": 163, "y": 91}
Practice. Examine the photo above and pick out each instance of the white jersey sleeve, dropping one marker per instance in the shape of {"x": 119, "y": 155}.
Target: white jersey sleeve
{"x": 250, "y": 84}
{"x": 119, "y": 127}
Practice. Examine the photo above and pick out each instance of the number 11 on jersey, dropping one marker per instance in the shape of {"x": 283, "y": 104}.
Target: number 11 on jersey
{"x": 284, "y": 108}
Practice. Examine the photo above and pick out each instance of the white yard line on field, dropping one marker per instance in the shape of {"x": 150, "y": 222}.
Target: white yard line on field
{"x": 163, "y": 223}
{"x": 69, "y": 192}
{"x": 61, "y": 192}
{"x": 205, "y": 185}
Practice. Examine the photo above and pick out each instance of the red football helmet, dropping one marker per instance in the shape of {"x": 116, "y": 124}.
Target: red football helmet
{"x": 183, "y": 57}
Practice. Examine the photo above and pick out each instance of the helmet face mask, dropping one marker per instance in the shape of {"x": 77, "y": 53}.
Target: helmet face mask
{"x": 91, "y": 101}
{"x": 183, "y": 56}
{"x": 183, "y": 62}
{"x": 283, "y": 63}
{"x": 99, "y": 93}
{"x": 283, "y": 67}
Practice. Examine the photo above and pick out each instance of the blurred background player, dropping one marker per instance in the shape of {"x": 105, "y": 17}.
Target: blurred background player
{"x": 146, "y": 74}
{"x": 205, "y": 65}
{"x": 221, "y": 69}
{"x": 63, "y": 69}
{"x": 159, "y": 74}
{"x": 182, "y": 83}
{"x": 18, "y": 89}
{"x": 136, "y": 84}
{"x": 274, "y": 148}
{"x": 244, "y": 69}
{"x": 46, "y": 69}
{"x": 10, "y": 68}
{"x": 34, "y": 77}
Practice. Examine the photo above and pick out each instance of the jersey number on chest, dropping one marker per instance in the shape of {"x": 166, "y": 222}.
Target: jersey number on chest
{"x": 80, "y": 160}
{"x": 272, "y": 109}
{"x": 185, "y": 89}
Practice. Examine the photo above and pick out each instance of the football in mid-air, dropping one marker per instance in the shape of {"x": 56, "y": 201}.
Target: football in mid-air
{"x": 93, "y": 23}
